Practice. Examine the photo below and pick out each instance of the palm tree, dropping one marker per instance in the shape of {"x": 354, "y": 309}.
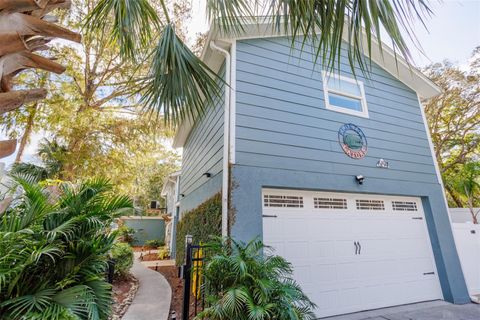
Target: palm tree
{"x": 26, "y": 27}
{"x": 180, "y": 85}
{"x": 466, "y": 185}
{"x": 254, "y": 284}
{"x": 53, "y": 255}
{"x": 52, "y": 154}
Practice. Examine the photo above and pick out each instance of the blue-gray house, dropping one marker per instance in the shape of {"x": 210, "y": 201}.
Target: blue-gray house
{"x": 334, "y": 172}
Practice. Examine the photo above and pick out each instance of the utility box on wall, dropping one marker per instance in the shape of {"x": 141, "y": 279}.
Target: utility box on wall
{"x": 146, "y": 228}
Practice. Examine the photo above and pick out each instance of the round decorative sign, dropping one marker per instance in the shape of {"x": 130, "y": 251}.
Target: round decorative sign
{"x": 353, "y": 141}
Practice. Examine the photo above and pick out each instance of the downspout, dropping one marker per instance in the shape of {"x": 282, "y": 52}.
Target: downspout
{"x": 226, "y": 138}
{"x": 175, "y": 213}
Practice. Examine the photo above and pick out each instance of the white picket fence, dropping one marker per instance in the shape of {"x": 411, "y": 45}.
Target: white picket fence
{"x": 467, "y": 240}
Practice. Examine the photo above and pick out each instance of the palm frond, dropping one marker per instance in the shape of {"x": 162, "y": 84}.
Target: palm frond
{"x": 180, "y": 85}
{"x": 53, "y": 256}
{"x": 230, "y": 16}
{"x": 325, "y": 24}
{"x": 132, "y": 24}
{"x": 29, "y": 171}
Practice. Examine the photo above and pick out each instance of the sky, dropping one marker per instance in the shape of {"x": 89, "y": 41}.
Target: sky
{"x": 453, "y": 32}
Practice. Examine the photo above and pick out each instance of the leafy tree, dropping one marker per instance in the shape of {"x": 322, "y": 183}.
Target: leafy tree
{"x": 179, "y": 85}
{"x": 53, "y": 254}
{"x": 454, "y": 120}
{"x": 466, "y": 185}
{"x": 92, "y": 113}
{"x": 253, "y": 284}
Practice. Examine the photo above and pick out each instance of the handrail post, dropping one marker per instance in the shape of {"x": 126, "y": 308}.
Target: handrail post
{"x": 187, "y": 277}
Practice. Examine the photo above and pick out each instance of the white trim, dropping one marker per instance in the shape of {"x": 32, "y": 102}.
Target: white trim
{"x": 226, "y": 137}
{"x": 386, "y": 57}
{"x": 233, "y": 99}
{"x": 326, "y": 90}
{"x": 435, "y": 163}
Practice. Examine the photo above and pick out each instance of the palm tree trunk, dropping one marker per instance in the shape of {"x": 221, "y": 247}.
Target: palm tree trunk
{"x": 454, "y": 197}
{"x": 27, "y": 133}
{"x": 25, "y": 28}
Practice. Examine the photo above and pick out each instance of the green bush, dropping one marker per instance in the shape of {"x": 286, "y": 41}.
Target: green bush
{"x": 154, "y": 243}
{"x": 244, "y": 281}
{"x": 126, "y": 234}
{"x": 202, "y": 223}
{"x": 122, "y": 253}
{"x": 164, "y": 253}
{"x": 54, "y": 251}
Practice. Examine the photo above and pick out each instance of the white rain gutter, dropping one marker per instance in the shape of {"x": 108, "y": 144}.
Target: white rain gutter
{"x": 226, "y": 138}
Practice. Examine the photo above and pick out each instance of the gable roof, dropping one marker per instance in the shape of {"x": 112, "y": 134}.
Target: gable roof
{"x": 170, "y": 180}
{"x": 386, "y": 58}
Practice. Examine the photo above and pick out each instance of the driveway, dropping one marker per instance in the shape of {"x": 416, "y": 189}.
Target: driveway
{"x": 434, "y": 310}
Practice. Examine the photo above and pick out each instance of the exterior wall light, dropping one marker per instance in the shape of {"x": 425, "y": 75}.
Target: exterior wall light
{"x": 360, "y": 179}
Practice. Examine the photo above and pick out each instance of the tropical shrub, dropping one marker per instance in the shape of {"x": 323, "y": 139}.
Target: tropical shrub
{"x": 126, "y": 234}
{"x": 154, "y": 243}
{"x": 53, "y": 255}
{"x": 164, "y": 253}
{"x": 203, "y": 223}
{"x": 247, "y": 282}
{"x": 122, "y": 254}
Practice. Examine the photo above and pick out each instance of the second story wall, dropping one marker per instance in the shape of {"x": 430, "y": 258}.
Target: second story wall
{"x": 282, "y": 121}
{"x": 202, "y": 153}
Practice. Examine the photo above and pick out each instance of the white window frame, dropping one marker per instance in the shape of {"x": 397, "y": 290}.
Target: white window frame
{"x": 326, "y": 90}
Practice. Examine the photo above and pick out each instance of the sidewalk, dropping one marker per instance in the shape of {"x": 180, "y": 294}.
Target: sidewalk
{"x": 154, "y": 295}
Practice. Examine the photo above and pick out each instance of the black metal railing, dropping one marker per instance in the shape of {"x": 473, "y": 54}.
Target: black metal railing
{"x": 193, "y": 280}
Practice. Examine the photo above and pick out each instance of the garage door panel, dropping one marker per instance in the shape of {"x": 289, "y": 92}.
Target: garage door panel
{"x": 347, "y": 271}
{"x": 411, "y": 248}
{"x": 394, "y": 266}
{"x": 296, "y": 250}
{"x": 416, "y": 267}
{"x": 302, "y": 274}
{"x": 322, "y": 249}
{"x": 374, "y": 270}
{"x": 344, "y": 248}
{"x": 376, "y": 248}
{"x": 274, "y": 228}
{"x": 324, "y": 274}
{"x": 276, "y": 247}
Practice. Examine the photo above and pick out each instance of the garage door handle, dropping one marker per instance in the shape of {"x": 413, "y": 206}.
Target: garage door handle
{"x": 356, "y": 246}
{"x": 269, "y": 216}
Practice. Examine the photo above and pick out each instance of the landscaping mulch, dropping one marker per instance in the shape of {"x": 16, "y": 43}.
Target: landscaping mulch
{"x": 124, "y": 290}
{"x": 149, "y": 256}
{"x": 171, "y": 274}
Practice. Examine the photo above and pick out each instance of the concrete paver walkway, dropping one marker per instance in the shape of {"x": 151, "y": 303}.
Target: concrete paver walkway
{"x": 152, "y": 301}
{"x": 434, "y": 310}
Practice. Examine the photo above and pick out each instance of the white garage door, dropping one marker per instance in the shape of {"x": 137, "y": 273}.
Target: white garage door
{"x": 352, "y": 252}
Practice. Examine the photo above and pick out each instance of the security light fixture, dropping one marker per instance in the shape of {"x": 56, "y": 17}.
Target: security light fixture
{"x": 360, "y": 179}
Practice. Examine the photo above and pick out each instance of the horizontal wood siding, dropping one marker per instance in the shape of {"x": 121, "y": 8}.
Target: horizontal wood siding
{"x": 282, "y": 122}
{"x": 203, "y": 150}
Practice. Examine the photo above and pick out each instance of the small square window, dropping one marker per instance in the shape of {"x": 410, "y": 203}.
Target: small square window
{"x": 345, "y": 95}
